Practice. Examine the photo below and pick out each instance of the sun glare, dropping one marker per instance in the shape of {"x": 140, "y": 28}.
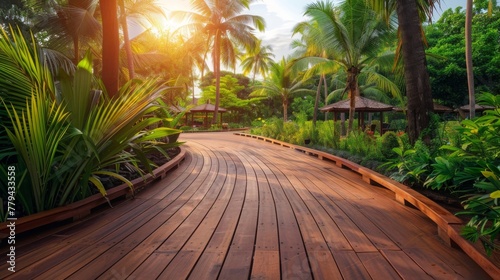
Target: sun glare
{"x": 171, "y": 24}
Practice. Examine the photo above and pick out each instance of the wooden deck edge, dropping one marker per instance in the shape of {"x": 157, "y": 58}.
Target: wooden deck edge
{"x": 474, "y": 250}
{"x": 82, "y": 208}
{"x": 448, "y": 224}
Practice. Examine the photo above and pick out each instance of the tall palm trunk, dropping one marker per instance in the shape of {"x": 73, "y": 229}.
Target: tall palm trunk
{"x": 326, "y": 95}
{"x": 110, "y": 46}
{"x": 418, "y": 89}
{"x": 352, "y": 87}
{"x": 316, "y": 101}
{"x": 468, "y": 58}
{"x": 285, "y": 108}
{"x": 217, "y": 75}
{"x": 126, "y": 40}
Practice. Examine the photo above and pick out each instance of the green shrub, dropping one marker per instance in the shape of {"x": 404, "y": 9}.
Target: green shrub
{"x": 328, "y": 134}
{"x": 398, "y": 125}
{"x": 472, "y": 168}
{"x": 388, "y": 143}
{"x": 358, "y": 143}
{"x": 411, "y": 165}
{"x": 68, "y": 142}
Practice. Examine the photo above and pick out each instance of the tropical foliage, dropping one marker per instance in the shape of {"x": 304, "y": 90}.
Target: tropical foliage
{"x": 353, "y": 31}
{"x": 70, "y": 141}
{"x": 284, "y": 82}
{"x": 472, "y": 169}
{"x": 448, "y": 70}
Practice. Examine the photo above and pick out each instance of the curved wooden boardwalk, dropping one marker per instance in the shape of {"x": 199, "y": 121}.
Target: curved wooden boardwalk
{"x": 238, "y": 208}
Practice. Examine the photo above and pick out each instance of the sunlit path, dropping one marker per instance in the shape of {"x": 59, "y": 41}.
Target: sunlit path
{"x": 238, "y": 208}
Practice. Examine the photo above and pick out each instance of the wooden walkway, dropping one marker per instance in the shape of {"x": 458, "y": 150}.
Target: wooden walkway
{"x": 239, "y": 208}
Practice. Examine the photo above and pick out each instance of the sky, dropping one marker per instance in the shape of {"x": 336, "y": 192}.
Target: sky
{"x": 281, "y": 16}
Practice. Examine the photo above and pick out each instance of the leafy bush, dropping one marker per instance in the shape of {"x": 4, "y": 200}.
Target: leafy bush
{"x": 358, "y": 143}
{"x": 412, "y": 165}
{"x": 66, "y": 142}
{"x": 328, "y": 134}
{"x": 472, "y": 168}
{"x": 388, "y": 143}
{"x": 398, "y": 125}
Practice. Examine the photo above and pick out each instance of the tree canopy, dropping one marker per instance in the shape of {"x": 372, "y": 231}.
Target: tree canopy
{"x": 446, "y": 50}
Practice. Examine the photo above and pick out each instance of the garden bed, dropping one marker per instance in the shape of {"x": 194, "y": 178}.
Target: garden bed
{"x": 83, "y": 208}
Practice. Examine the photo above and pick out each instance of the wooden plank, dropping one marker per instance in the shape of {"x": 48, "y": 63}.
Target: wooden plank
{"x": 377, "y": 237}
{"x": 433, "y": 265}
{"x": 404, "y": 265}
{"x": 153, "y": 266}
{"x": 148, "y": 246}
{"x": 358, "y": 241}
{"x": 266, "y": 259}
{"x": 317, "y": 239}
{"x": 350, "y": 265}
{"x": 79, "y": 259}
{"x": 266, "y": 265}
{"x": 106, "y": 260}
{"x": 293, "y": 256}
{"x": 238, "y": 262}
{"x": 377, "y": 266}
{"x": 212, "y": 259}
{"x": 42, "y": 259}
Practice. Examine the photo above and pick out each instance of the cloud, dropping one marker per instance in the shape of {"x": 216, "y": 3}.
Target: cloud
{"x": 281, "y": 16}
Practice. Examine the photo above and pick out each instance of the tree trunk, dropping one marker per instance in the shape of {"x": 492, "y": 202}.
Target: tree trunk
{"x": 326, "y": 94}
{"x": 418, "y": 89}
{"x": 285, "y": 109}
{"x": 352, "y": 87}
{"x": 468, "y": 58}
{"x": 126, "y": 41}
{"x": 110, "y": 46}
{"x": 217, "y": 75}
{"x": 316, "y": 101}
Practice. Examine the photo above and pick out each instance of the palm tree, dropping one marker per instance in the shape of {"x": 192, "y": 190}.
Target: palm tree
{"x": 193, "y": 54}
{"x": 308, "y": 46}
{"x": 73, "y": 22}
{"x": 137, "y": 12}
{"x": 468, "y": 58}
{"x": 410, "y": 14}
{"x": 354, "y": 37}
{"x": 283, "y": 82}
{"x": 257, "y": 60}
{"x": 224, "y": 25}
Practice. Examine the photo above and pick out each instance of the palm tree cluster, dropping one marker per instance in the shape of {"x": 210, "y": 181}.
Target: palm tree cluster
{"x": 224, "y": 28}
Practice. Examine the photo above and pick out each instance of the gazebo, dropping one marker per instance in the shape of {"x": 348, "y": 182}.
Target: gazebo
{"x": 206, "y": 108}
{"x": 464, "y": 110}
{"x": 362, "y": 105}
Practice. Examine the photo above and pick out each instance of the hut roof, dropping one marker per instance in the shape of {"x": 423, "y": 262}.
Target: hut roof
{"x": 477, "y": 107}
{"x": 441, "y": 108}
{"x": 362, "y": 104}
{"x": 206, "y": 108}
